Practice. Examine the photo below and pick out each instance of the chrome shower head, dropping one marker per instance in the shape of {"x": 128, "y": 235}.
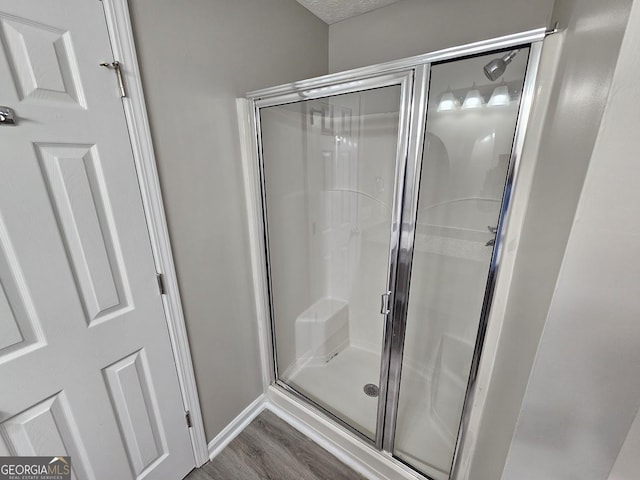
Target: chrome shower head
{"x": 496, "y": 67}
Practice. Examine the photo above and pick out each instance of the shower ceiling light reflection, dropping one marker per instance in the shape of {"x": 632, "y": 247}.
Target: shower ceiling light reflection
{"x": 499, "y": 97}
{"x": 473, "y": 99}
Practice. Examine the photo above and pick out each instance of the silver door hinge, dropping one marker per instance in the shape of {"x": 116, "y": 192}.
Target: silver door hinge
{"x": 161, "y": 286}
{"x": 384, "y": 303}
{"x": 187, "y": 416}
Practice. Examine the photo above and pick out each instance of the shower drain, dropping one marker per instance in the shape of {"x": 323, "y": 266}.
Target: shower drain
{"x": 371, "y": 390}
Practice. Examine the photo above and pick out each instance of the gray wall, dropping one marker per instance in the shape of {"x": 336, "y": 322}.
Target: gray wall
{"x": 412, "y": 27}
{"x": 627, "y": 464}
{"x": 196, "y": 57}
{"x": 578, "y": 96}
{"x": 584, "y": 393}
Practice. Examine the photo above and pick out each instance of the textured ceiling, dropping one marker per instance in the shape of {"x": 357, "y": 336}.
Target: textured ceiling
{"x": 332, "y": 11}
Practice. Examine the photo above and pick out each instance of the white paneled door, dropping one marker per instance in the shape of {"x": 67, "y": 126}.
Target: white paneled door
{"x": 86, "y": 367}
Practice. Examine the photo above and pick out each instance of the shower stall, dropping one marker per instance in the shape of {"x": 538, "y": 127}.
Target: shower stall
{"x": 384, "y": 194}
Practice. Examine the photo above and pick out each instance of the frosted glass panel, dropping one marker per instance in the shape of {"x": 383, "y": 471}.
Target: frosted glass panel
{"x": 329, "y": 168}
{"x": 470, "y": 129}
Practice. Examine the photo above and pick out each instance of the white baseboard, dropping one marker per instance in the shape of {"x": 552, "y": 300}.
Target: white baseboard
{"x": 236, "y": 426}
{"x": 350, "y": 450}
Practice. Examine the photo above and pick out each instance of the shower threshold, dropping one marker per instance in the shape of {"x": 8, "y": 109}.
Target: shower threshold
{"x": 337, "y": 386}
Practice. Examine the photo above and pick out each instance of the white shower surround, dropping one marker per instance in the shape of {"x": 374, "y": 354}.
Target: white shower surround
{"x": 340, "y": 200}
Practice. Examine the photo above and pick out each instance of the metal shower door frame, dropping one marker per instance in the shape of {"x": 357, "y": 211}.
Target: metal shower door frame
{"x": 408, "y": 166}
{"x": 405, "y": 256}
{"x": 312, "y": 90}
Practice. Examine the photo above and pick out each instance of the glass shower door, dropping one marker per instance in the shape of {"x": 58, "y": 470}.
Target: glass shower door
{"x": 470, "y": 128}
{"x": 330, "y": 167}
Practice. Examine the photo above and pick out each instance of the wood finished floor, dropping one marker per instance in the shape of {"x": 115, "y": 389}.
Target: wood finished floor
{"x": 269, "y": 448}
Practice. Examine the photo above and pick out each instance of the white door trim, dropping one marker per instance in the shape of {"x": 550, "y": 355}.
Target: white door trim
{"x": 123, "y": 46}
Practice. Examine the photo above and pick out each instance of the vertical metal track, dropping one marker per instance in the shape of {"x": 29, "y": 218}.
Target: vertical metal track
{"x": 406, "y": 205}
{"x": 265, "y": 231}
{"x": 404, "y": 129}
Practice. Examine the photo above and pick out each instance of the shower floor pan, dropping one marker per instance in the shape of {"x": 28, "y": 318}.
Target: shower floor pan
{"x": 338, "y": 386}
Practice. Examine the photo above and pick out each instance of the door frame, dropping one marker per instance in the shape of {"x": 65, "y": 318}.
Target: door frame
{"x": 249, "y": 127}
{"x": 118, "y": 21}
{"x": 406, "y": 80}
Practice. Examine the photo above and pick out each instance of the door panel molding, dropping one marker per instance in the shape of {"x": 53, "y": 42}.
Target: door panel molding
{"x": 58, "y": 82}
{"x": 20, "y": 329}
{"x": 129, "y": 385}
{"x": 74, "y": 179}
{"x": 123, "y": 46}
{"x": 48, "y": 423}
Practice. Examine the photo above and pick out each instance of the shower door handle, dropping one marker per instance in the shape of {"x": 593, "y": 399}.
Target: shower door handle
{"x": 384, "y": 303}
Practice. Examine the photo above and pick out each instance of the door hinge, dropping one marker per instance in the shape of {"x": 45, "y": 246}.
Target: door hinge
{"x": 384, "y": 303}
{"x": 187, "y": 416}
{"x": 161, "y": 285}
